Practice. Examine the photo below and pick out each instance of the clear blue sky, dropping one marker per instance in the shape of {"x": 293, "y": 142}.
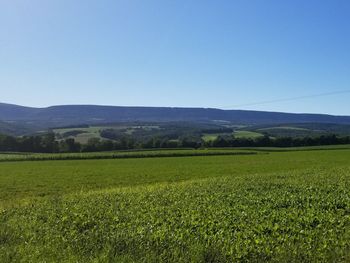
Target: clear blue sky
{"x": 194, "y": 53}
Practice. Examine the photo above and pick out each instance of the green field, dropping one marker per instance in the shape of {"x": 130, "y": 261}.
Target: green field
{"x": 7, "y": 157}
{"x": 213, "y": 136}
{"x": 236, "y": 134}
{"x": 284, "y": 128}
{"x": 291, "y": 206}
{"x": 84, "y": 136}
{"x": 247, "y": 134}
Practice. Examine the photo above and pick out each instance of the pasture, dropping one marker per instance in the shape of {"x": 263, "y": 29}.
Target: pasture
{"x": 236, "y": 134}
{"x": 274, "y": 206}
{"x": 247, "y": 134}
{"x": 81, "y": 135}
{"x": 213, "y": 136}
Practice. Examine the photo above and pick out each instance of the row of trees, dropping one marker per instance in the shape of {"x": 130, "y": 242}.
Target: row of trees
{"x": 48, "y": 144}
{"x": 42, "y": 144}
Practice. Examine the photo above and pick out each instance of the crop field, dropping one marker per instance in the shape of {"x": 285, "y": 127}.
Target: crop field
{"x": 7, "y": 157}
{"x": 291, "y": 206}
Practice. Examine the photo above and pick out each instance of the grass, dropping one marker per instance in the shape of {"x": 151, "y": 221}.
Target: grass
{"x": 277, "y": 207}
{"x": 284, "y": 128}
{"x": 237, "y": 134}
{"x": 289, "y": 149}
{"x": 88, "y": 133}
{"x": 212, "y": 136}
{"x": 94, "y": 131}
{"x": 247, "y": 134}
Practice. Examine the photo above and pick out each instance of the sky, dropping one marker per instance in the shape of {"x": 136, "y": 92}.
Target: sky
{"x": 230, "y": 54}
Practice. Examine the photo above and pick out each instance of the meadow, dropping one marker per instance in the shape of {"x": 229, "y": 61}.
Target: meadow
{"x": 291, "y": 206}
{"x": 236, "y": 134}
{"x": 247, "y": 134}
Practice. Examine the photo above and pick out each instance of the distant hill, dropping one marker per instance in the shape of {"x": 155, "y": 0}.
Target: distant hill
{"x": 20, "y": 128}
{"x": 300, "y": 129}
{"x": 92, "y": 114}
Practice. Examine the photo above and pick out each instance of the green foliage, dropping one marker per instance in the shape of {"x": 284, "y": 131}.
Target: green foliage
{"x": 183, "y": 152}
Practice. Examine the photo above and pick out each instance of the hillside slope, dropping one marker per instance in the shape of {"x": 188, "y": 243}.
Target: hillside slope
{"x": 75, "y": 114}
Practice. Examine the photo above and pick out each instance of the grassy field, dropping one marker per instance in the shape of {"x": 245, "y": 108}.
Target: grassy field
{"x": 284, "y": 128}
{"x": 237, "y": 134}
{"x": 83, "y": 134}
{"x": 212, "y": 136}
{"x": 281, "y": 206}
{"x": 247, "y": 134}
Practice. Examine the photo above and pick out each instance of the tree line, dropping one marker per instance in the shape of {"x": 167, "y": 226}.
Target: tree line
{"x": 266, "y": 141}
{"x": 47, "y": 143}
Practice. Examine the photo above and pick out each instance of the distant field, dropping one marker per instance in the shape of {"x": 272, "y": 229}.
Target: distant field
{"x": 286, "y": 131}
{"x": 5, "y": 157}
{"x": 292, "y": 149}
{"x": 282, "y": 206}
{"x": 153, "y": 153}
{"x": 236, "y": 134}
{"x": 213, "y": 136}
{"x": 302, "y": 129}
{"x": 247, "y": 134}
{"x": 84, "y": 136}
{"x": 284, "y": 128}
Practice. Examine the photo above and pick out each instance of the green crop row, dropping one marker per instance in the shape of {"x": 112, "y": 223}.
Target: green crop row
{"x": 4, "y": 157}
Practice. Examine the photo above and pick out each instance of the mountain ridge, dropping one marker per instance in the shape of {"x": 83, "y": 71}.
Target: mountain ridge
{"x": 90, "y": 114}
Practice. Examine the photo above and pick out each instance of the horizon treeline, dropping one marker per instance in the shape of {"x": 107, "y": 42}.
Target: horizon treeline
{"x": 47, "y": 143}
